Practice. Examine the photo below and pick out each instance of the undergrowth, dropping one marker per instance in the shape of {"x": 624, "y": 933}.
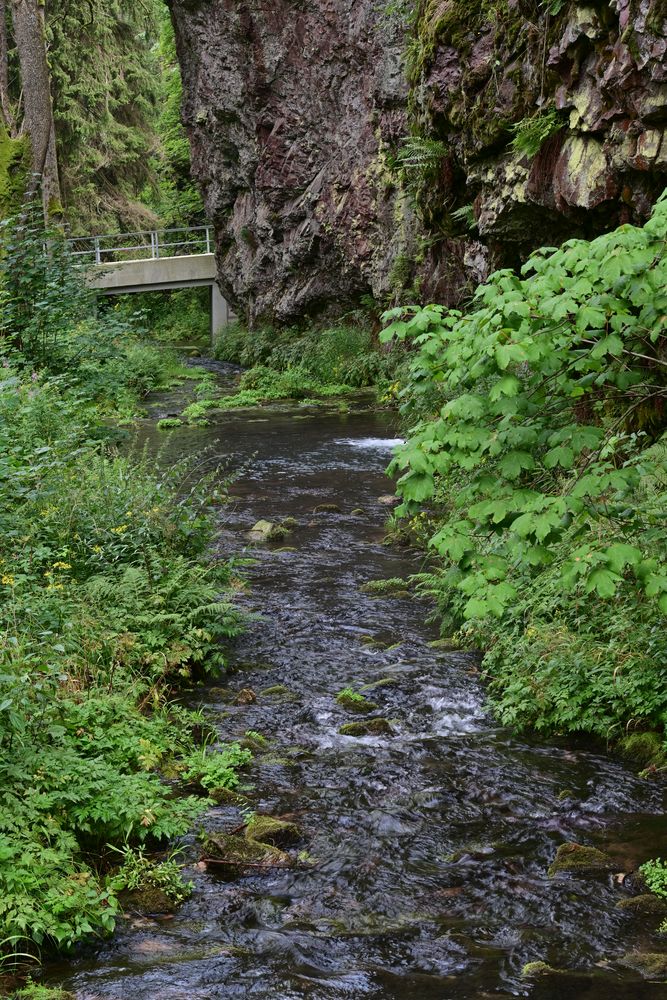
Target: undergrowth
{"x": 108, "y": 600}
{"x": 305, "y": 364}
{"x": 537, "y": 463}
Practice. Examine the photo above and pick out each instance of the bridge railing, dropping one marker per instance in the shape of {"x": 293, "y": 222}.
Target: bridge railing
{"x": 149, "y": 244}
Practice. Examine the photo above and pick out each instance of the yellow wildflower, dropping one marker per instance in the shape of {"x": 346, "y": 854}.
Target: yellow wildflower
{"x": 97, "y": 548}
{"x": 8, "y": 580}
{"x": 61, "y": 565}
{"x": 120, "y": 530}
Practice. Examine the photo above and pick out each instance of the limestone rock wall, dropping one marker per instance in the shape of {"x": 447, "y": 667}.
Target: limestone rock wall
{"x": 296, "y": 110}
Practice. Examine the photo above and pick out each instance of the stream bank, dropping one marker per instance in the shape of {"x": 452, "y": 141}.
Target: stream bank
{"x": 427, "y": 848}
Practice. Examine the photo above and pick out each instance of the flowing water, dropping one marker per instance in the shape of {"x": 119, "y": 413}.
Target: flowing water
{"x": 428, "y": 849}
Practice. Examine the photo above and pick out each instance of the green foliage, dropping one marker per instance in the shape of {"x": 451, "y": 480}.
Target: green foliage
{"x": 106, "y": 80}
{"x": 420, "y": 157}
{"x": 655, "y": 876}
{"x": 139, "y": 872}
{"x": 49, "y": 315}
{"x": 37, "y": 991}
{"x": 106, "y": 598}
{"x": 465, "y": 216}
{"x": 298, "y": 364}
{"x": 174, "y": 196}
{"x": 539, "y": 409}
{"x": 216, "y": 767}
{"x": 530, "y": 134}
{"x": 349, "y": 694}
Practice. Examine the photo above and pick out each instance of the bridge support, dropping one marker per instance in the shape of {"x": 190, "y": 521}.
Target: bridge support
{"x": 221, "y": 314}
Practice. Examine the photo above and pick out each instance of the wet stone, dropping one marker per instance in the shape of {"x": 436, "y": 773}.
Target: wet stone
{"x": 246, "y": 696}
{"x": 327, "y": 508}
{"x": 370, "y": 727}
{"x": 576, "y": 859}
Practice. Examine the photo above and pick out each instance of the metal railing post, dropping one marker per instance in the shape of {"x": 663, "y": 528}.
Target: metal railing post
{"x": 208, "y": 239}
{"x": 98, "y": 255}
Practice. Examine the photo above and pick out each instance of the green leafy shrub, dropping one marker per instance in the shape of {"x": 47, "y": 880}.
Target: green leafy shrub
{"x": 138, "y": 872}
{"x": 216, "y": 767}
{"x": 540, "y": 414}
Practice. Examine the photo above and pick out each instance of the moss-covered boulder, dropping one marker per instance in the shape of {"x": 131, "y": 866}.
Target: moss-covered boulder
{"x": 649, "y": 964}
{"x": 146, "y": 901}
{"x": 538, "y": 970}
{"x": 231, "y": 855}
{"x": 393, "y": 587}
{"x": 351, "y": 701}
{"x": 646, "y": 904}
{"x": 369, "y": 727}
{"x": 267, "y": 531}
{"x": 579, "y": 860}
{"x": 276, "y": 832}
{"x": 275, "y": 691}
{"x": 327, "y": 508}
{"x": 644, "y": 748}
{"x": 226, "y": 797}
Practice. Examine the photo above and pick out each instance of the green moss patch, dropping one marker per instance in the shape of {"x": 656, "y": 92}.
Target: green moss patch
{"x": 580, "y": 860}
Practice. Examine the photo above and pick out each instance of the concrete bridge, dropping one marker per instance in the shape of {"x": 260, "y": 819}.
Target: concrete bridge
{"x": 154, "y": 261}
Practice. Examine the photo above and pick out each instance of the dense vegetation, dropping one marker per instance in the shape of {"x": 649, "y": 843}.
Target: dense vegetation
{"x": 307, "y": 362}
{"x": 537, "y": 448}
{"x": 107, "y": 598}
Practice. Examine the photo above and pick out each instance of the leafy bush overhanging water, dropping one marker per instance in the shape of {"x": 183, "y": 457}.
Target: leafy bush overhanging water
{"x": 538, "y": 444}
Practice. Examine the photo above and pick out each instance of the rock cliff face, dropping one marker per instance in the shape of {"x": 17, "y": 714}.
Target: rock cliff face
{"x": 297, "y": 109}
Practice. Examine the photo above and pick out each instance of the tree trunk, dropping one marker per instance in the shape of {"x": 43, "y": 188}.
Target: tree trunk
{"x": 28, "y": 22}
{"x": 5, "y": 103}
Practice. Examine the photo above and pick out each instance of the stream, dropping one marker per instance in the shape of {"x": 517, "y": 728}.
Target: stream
{"x": 428, "y": 849}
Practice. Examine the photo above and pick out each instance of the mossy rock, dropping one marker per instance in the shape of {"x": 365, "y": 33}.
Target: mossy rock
{"x": 445, "y": 645}
{"x": 275, "y": 691}
{"x": 147, "y": 901}
{"x": 246, "y": 696}
{"x": 226, "y": 797}
{"x": 643, "y": 748}
{"x": 537, "y": 970}
{"x": 289, "y": 523}
{"x": 386, "y": 588}
{"x": 232, "y": 854}
{"x": 276, "y": 832}
{"x": 358, "y": 512}
{"x": 383, "y": 682}
{"x": 370, "y": 727}
{"x": 649, "y": 964}
{"x": 327, "y": 508}
{"x": 647, "y": 904}
{"x": 267, "y": 531}
{"x": 255, "y": 742}
{"x": 358, "y": 704}
{"x": 580, "y": 860}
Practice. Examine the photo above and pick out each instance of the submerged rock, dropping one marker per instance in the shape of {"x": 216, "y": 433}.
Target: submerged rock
{"x": 276, "y": 689}
{"x": 650, "y": 965}
{"x": 388, "y": 500}
{"x": 370, "y": 727}
{"x": 276, "y": 832}
{"x": 327, "y": 508}
{"x": 580, "y": 860}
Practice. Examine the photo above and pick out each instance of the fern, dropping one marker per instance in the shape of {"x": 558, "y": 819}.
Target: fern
{"x": 530, "y": 134}
{"x": 420, "y": 156}
{"x": 466, "y": 216}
